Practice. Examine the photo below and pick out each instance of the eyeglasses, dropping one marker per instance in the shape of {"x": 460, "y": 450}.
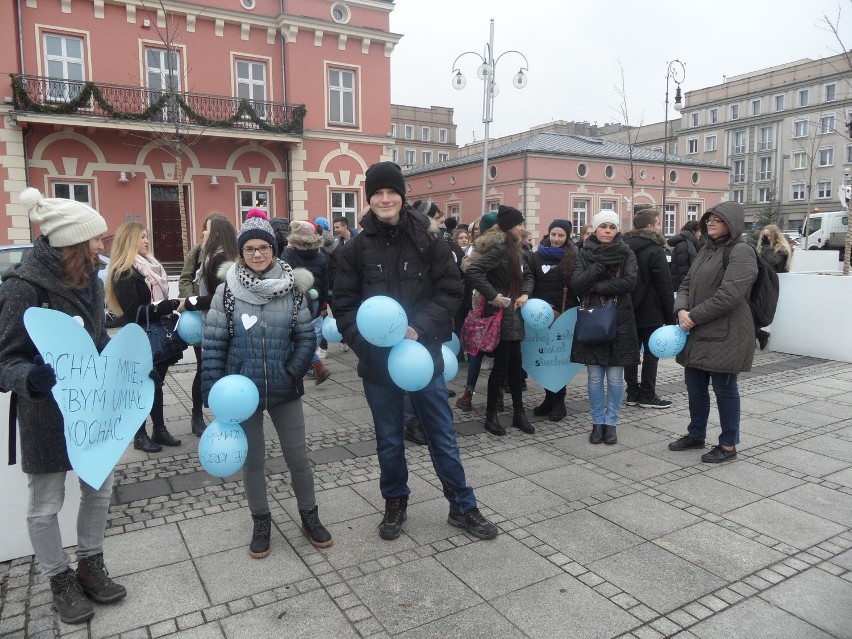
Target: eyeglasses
{"x": 263, "y": 250}
{"x": 714, "y": 220}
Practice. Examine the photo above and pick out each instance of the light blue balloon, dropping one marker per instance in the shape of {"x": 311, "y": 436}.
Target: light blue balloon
{"x": 537, "y": 313}
{"x": 451, "y": 364}
{"x": 330, "y": 332}
{"x": 382, "y": 321}
{"x": 546, "y": 353}
{"x": 453, "y": 344}
{"x": 667, "y": 341}
{"x": 189, "y": 327}
{"x": 233, "y": 399}
{"x": 103, "y": 397}
{"x": 410, "y": 365}
{"x": 222, "y": 448}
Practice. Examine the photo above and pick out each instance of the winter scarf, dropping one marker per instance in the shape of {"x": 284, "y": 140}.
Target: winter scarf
{"x": 155, "y": 277}
{"x": 610, "y": 255}
{"x": 551, "y": 252}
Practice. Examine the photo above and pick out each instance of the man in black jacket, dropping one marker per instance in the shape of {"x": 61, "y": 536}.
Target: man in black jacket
{"x": 652, "y": 303}
{"x": 395, "y": 255}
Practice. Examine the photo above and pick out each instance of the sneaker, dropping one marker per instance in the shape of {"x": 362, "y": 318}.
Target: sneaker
{"x": 321, "y": 352}
{"x": 310, "y": 373}
{"x": 632, "y": 399}
{"x": 395, "y": 514}
{"x": 93, "y": 578}
{"x": 474, "y": 523}
{"x": 68, "y": 598}
{"x": 718, "y": 454}
{"x": 654, "y": 402}
{"x": 685, "y": 443}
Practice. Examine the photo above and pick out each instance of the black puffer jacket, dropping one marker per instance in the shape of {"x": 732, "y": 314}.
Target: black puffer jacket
{"x": 593, "y": 277}
{"x": 489, "y": 275}
{"x": 684, "y": 250}
{"x": 39, "y": 419}
{"x": 408, "y": 264}
{"x": 550, "y": 283}
{"x": 653, "y": 281}
{"x": 315, "y": 261}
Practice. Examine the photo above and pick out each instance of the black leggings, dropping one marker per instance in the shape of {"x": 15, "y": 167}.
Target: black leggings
{"x": 508, "y": 365}
{"x": 196, "y": 383}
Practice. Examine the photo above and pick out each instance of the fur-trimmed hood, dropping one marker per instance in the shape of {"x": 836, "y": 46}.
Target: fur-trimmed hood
{"x": 491, "y": 237}
{"x": 648, "y": 234}
{"x": 303, "y": 237}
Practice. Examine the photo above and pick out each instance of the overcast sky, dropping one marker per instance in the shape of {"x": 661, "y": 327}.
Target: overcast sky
{"x": 574, "y": 50}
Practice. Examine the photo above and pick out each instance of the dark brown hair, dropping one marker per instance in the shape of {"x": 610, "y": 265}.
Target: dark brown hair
{"x": 78, "y": 265}
{"x": 516, "y": 276}
{"x": 645, "y": 218}
{"x": 222, "y": 235}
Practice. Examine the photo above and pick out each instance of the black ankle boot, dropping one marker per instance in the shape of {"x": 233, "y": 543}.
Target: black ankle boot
{"x": 544, "y": 408}
{"x": 164, "y": 437}
{"x": 198, "y": 424}
{"x": 558, "y": 412}
{"x": 142, "y": 442}
{"x": 492, "y": 424}
{"x": 597, "y": 434}
{"x": 609, "y": 436}
{"x": 259, "y": 547}
{"x": 315, "y": 531}
{"x": 520, "y": 421}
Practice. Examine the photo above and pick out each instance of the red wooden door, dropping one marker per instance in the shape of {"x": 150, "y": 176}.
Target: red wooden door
{"x": 166, "y": 240}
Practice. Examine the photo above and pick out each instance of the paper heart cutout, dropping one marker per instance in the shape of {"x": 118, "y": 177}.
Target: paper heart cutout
{"x": 248, "y": 320}
{"x": 547, "y": 352}
{"x": 103, "y": 397}
{"x": 545, "y": 268}
{"x": 79, "y": 320}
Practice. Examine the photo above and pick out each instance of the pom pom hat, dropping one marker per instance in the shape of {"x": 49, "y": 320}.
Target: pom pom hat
{"x": 64, "y": 222}
{"x": 256, "y": 227}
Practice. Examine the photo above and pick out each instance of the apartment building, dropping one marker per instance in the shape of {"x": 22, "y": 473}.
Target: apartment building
{"x": 160, "y": 113}
{"x": 422, "y": 135}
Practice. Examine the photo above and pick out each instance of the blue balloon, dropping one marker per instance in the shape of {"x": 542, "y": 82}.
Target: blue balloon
{"x": 382, "y": 321}
{"x": 537, "y": 313}
{"x": 189, "y": 327}
{"x": 222, "y": 448}
{"x": 667, "y": 341}
{"x": 451, "y": 364}
{"x": 410, "y": 365}
{"x": 454, "y": 344}
{"x": 330, "y": 332}
{"x": 233, "y": 399}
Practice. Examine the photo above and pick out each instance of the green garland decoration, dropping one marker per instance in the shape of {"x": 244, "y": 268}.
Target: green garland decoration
{"x": 90, "y": 91}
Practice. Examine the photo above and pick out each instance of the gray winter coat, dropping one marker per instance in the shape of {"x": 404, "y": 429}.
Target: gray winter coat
{"x": 717, "y": 299}
{"x": 489, "y": 274}
{"x": 40, "y": 421}
{"x": 274, "y": 352}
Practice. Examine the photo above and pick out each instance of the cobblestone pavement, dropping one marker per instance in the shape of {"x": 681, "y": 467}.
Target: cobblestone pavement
{"x": 630, "y": 540}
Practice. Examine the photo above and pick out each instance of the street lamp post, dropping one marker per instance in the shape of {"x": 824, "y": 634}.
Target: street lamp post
{"x": 677, "y": 72}
{"x": 485, "y": 72}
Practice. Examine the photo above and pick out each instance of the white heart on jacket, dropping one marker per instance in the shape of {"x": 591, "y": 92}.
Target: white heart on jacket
{"x": 248, "y": 320}
{"x": 545, "y": 268}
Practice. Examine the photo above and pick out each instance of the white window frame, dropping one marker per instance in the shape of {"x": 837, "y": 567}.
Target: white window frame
{"x": 764, "y": 168}
{"x": 426, "y": 158}
{"x": 410, "y": 158}
{"x": 735, "y": 111}
{"x": 344, "y": 203}
{"x": 798, "y": 161}
{"x": 848, "y": 154}
{"x": 755, "y": 107}
{"x": 823, "y": 190}
{"x": 393, "y": 130}
{"x": 766, "y": 138}
{"x": 738, "y": 176}
{"x": 694, "y": 119}
{"x": 443, "y": 157}
{"x": 425, "y": 134}
{"x": 738, "y": 195}
{"x": 710, "y": 142}
{"x": 801, "y": 127}
{"x": 763, "y": 194}
{"x": 804, "y": 97}
{"x": 395, "y": 155}
{"x": 797, "y": 191}
{"x": 691, "y": 146}
{"x": 579, "y": 213}
{"x": 825, "y": 156}
{"x": 442, "y": 136}
{"x": 780, "y": 99}
{"x": 714, "y": 116}
{"x": 342, "y": 97}
{"x": 827, "y": 124}
{"x": 255, "y": 89}
{"x": 409, "y": 131}
{"x": 167, "y": 71}
{"x": 741, "y": 148}
{"x": 70, "y": 67}
{"x": 829, "y": 92}
{"x": 74, "y": 192}
{"x": 259, "y": 199}
{"x": 692, "y": 211}
{"x": 670, "y": 220}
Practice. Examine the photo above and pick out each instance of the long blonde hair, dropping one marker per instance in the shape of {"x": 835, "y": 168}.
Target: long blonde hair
{"x": 125, "y": 248}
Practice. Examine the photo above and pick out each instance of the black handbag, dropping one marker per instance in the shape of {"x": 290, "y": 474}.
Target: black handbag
{"x": 596, "y": 320}
{"x": 166, "y": 344}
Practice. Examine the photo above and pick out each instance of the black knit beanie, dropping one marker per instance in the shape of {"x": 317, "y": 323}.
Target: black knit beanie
{"x": 565, "y": 225}
{"x": 384, "y": 175}
{"x": 508, "y": 217}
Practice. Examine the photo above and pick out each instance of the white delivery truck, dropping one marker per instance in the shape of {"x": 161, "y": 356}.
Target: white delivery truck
{"x": 826, "y": 230}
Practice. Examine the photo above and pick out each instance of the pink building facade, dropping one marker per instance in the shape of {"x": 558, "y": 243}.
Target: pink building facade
{"x": 549, "y": 176}
{"x": 239, "y": 103}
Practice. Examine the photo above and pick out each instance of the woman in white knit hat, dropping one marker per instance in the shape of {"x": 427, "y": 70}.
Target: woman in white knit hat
{"x": 606, "y": 267}
{"x": 60, "y": 271}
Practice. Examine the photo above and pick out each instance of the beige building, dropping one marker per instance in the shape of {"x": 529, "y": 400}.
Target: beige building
{"x": 422, "y": 135}
{"x": 784, "y": 131}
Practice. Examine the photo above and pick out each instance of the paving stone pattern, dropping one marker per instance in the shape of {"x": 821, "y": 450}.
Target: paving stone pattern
{"x": 630, "y": 540}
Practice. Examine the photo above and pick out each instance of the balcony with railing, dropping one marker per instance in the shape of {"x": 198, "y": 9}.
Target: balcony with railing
{"x": 131, "y": 103}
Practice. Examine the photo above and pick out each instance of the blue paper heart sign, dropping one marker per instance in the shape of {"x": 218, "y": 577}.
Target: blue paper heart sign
{"x": 547, "y": 352}
{"x": 103, "y": 397}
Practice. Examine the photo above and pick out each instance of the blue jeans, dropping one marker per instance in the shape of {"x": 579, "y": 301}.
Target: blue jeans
{"x": 727, "y": 400}
{"x": 436, "y": 419}
{"x": 605, "y": 405}
{"x": 317, "y": 324}
{"x": 473, "y": 368}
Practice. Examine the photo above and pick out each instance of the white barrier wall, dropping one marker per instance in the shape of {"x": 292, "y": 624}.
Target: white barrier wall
{"x": 814, "y": 315}
{"x": 14, "y": 540}
{"x": 815, "y": 262}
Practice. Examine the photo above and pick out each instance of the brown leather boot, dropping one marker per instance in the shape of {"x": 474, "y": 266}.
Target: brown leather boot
{"x": 95, "y": 582}
{"x": 465, "y": 402}
{"x": 68, "y": 598}
{"x": 322, "y": 373}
